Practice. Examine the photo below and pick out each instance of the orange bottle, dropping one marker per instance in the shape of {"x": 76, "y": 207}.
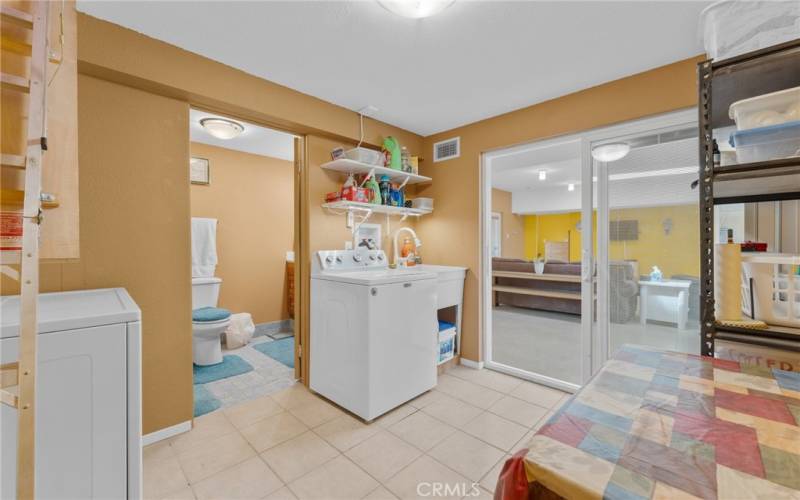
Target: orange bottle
{"x": 407, "y": 253}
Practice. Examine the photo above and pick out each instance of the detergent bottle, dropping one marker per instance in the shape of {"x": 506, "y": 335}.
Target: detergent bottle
{"x": 394, "y": 158}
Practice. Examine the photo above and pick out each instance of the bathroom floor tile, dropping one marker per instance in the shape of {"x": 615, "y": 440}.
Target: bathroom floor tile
{"x": 466, "y": 455}
{"x": 250, "y": 412}
{"x": 345, "y": 431}
{"x": 383, "y": 455}
{"x": 251, "y": 479}
{"x": 162, "y": 476}
{"x": 214, "y": 456}
{"x": 452, "y": 411}
{"x": 205, "y": 428}
{"x": 495, "y": 430}
{"x": 395, "y": 415}
{"x": 184, "y": 493}
{"x": 315, "y": 412}
{"x": 519, "y": 411}
{"x": 416, "y": 480}
{"x": 298, "y": 456}
{"x": 338, "y": 479}
{"x": 380, "y": 493}
{"x": 282, "y": 494}
{"x": 538, "y": 394}
{"x": 421, "y": 430}
{"x": 497, "y": 381}
{"x": 273, "y": 430}
{"x": 489, "y": 481}
{"x": 294, "y": 396}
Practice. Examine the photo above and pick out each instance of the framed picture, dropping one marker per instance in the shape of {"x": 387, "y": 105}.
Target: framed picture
{"x": 199, "y": 171}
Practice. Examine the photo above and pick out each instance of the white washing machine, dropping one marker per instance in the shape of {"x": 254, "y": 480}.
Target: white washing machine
{"x": 373, "y": 331}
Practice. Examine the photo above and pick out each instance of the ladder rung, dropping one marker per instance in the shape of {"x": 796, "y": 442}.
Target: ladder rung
{"x": 17, "y": 17}
{"x": 15, "y": 46}
{"x": 15, "y": 161}
{"x": 9, "y": 380}
{"x": 15, "y": 82}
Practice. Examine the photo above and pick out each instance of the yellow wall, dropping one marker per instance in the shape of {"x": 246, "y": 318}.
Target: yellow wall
{"x": 513, "y": 226}
{"x": 252, "y": 197}
{"x": 675, "y": 253}
{"x": 453, "y": 235}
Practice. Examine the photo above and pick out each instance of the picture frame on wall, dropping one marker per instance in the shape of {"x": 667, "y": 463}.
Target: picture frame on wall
{"x": 199, "y": 171}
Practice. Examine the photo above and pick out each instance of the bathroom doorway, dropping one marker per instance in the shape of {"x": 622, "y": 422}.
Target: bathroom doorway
{"x": 245, "y": 231}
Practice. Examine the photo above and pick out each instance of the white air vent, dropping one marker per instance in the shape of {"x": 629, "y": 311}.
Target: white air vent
{"x": 447, "y": 150}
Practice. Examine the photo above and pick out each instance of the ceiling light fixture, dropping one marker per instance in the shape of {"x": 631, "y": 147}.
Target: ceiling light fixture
{"x": 542, "y": 175}
{"x": 415, "y": 9}
{"x": 570, "y": 187}
{"x": 222, "y": 128}
{"x": 610, "y": 152}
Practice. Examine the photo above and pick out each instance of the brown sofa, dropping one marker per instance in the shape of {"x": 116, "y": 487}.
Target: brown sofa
{"x": 555, "y": 304}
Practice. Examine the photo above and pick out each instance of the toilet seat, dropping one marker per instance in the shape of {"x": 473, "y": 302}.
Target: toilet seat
{"x": 210, "y": 315}
{"x": 208, "y": 323}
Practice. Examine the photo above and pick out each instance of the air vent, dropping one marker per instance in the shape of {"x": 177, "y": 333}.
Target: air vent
{"x": 447, "y": 150}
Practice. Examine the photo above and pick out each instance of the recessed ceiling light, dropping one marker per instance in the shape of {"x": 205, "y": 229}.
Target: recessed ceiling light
{"x": 570, "y": 187}
{"x": 222, "y": 128}
{"x": 610, "y": 152}
{"x": 415, "y": 9}
{"x": 542, "y": 175}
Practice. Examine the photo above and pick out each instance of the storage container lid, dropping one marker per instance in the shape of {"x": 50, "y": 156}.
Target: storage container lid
{"x": 71, "y": 310}
{"x": 767, "y": 134}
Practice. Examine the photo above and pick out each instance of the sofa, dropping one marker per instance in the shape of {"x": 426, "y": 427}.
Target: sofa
{"x": 554, "y": 304}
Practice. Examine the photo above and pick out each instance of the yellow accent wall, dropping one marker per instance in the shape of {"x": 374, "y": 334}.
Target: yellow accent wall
{"x": 675, "y": 253}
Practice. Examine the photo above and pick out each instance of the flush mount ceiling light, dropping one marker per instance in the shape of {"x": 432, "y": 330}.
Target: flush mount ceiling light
{"x": 542, "y": 175}
{"x": 610, "y": 152}
{"x": 570, "y": 187}
{"x": 222, "y": 128}
{"x": 415, "y": 9}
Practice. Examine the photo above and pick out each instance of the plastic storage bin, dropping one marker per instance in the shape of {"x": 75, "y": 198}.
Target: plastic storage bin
{"x": 422, "y": 203}
{"x": 767, "y": 143}
{"x": 731, "y": 28}
{"x": 447, "y": 341}
{"x": 766, "y": 110}
{"x": 364, "y": 155}
{"x": 776, "y": 292}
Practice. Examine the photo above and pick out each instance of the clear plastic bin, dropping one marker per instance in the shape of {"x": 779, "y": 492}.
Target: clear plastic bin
{"x": 766, "y": 110}
{"x": 364, "y": 155}
{"x": 731, "y": 27}
{"x": 767, "y": 143}
{"x": 422, "y": 203}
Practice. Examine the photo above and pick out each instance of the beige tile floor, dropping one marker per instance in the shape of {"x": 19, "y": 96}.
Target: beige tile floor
{"x": 296, "y": 445}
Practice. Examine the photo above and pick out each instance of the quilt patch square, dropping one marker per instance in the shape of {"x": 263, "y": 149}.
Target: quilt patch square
{"x": 787, "y": 380}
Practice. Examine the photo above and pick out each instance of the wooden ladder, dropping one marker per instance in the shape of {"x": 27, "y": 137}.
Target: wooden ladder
{"x": 18, "y": 388}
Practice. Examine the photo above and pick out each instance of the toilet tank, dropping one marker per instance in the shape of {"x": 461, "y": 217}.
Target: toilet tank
{"x": 205, "y": 292}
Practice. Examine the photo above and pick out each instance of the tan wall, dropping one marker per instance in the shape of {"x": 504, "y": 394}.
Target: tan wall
{"x": 513, "y": 226}
{"x": 252, "y": 197}
{"x": 452, "y": 234}
{"x": 134, "y": 208}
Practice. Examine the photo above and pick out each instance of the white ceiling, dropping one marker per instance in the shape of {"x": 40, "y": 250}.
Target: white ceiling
{"x": 254, "y": 139}
{"x": 475, "y": 60}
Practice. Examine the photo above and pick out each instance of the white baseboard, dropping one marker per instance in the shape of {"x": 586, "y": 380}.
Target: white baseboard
{"x": 478, "y": 365}
{"x": 166, "y": 433}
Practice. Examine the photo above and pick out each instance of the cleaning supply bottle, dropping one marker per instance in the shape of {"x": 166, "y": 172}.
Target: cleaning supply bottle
{"x": 386, "y": 190}
{"x": 374, "y": 190}
{"x": 393, "y": 155}
{"x": 405, "y": 159}
{"x": 407, "y": 253}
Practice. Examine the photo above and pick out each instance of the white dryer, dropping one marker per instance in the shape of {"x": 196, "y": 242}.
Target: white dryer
{"x": 373, "y": 331}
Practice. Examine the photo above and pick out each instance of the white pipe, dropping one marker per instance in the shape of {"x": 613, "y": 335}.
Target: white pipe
{"x": 417, "y": 242}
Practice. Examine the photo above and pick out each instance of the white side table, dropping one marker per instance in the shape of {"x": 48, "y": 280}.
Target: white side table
{"x": 664, "y": 301}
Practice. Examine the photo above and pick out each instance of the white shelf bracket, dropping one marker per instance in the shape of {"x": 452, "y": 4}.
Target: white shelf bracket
{"x": 369, "y": 176}
{"x": 403, "y": 184}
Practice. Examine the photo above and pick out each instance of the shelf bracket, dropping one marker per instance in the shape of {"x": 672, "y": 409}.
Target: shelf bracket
{"x": 369, "y": 176}
{"x": 405, "y": 181}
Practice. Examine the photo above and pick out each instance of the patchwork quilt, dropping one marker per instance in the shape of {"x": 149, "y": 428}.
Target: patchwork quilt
{"x": 658, "y": 424}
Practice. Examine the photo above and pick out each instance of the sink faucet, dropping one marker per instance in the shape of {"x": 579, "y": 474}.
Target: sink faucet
{"x": 417, "y": 243}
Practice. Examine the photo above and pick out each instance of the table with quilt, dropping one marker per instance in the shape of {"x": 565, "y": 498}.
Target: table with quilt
{"x": 659, "y": 424}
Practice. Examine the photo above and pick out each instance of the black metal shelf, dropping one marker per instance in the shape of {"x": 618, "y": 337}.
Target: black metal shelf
{"x": 721, "y": 83}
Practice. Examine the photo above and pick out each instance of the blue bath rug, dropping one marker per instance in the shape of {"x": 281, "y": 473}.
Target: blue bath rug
{"x": 204, "y": 401}
{"x": 280, "y": 350}
{"x": 231, "y": 366}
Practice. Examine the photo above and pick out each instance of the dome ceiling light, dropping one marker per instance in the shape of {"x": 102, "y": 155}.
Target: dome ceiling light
{"x": 222, "y": 128}
{"x": 415, "y": 9}
{"x": 610, "y": 152}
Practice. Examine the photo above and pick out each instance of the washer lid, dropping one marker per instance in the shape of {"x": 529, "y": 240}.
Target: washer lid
{"x": 376, "y": 277}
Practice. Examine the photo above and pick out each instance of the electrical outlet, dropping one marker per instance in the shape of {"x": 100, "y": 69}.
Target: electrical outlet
{"x": 348, "y": 245}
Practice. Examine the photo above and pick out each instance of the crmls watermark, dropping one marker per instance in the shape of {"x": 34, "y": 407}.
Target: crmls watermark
{"x": 436, "y": 489}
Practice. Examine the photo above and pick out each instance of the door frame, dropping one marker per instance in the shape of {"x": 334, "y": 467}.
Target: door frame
{"x": 594, "y": 333}
{"x": 499, "y": 217}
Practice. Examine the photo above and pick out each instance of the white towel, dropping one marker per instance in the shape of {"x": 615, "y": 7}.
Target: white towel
{"x": 204, "y": 247}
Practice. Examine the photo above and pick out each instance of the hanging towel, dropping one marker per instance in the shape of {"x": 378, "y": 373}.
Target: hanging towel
{"x": 204, "y": 247}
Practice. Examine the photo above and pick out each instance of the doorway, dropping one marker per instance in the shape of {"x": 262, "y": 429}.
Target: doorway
{"x": 244, "y": 238}
{"x": 592, "y": 232}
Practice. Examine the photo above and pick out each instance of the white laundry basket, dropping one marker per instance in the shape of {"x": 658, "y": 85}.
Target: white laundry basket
{"x": 775, "y": 288}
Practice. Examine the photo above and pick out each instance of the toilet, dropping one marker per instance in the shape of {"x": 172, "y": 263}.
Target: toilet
{"x": 208, "y": 321}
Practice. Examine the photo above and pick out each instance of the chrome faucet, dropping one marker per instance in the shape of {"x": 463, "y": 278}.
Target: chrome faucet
{"x": 417, "y": 243}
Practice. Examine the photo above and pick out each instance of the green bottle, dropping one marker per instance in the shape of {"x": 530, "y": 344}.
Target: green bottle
{"x": 375, "y": 189}
{"x": 392, "y": 146}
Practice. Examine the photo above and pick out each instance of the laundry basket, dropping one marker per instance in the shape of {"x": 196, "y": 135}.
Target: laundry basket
{"x": 775, "y": 288}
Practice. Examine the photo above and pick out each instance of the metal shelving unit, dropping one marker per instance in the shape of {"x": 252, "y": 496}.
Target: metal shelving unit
{"x": 719, "y": 85}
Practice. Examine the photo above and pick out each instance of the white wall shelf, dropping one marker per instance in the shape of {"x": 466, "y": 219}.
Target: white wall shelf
{"x": 375, "y": 209}
{"x": 354, "y": 167}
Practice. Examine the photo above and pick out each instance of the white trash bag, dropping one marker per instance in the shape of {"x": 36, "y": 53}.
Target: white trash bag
{"x": 240, "y": 331}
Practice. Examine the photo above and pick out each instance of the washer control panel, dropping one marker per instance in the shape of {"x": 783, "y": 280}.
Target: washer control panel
{"x": 350, "y": 260}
